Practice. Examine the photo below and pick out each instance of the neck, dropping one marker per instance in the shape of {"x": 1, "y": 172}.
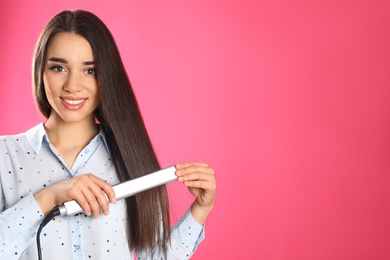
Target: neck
{"x": 64, "y": 135}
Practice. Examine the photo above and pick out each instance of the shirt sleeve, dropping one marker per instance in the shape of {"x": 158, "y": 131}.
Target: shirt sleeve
{"x": 18, "y": 227}
{"x": 186, "y": 235}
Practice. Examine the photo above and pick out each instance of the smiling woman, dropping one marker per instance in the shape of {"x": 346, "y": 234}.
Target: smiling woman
{"x": 72, "y": 92}
{"x": 70, "y": 83}
{"x": 93, "y": 138}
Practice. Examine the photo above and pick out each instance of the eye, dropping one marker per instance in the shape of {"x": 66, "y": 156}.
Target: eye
{"x": 90, "y": 71}
{"x": 57, "y": 68}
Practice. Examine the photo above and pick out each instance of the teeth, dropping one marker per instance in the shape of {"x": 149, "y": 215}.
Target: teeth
{"x": 74, "y": 102}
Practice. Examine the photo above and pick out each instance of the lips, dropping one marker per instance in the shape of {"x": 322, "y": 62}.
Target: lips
{"x": 72, "y": 103}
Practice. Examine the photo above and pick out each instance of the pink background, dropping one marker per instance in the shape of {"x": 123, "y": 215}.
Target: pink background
{"x": 287, "y": 100}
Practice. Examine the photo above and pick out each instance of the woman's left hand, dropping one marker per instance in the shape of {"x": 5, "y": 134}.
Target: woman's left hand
{"x": 200, "y": 180}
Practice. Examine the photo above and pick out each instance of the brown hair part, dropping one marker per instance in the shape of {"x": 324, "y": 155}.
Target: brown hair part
{"x": 120, "y": 118}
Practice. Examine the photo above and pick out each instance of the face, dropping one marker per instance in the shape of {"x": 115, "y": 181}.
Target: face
{"x": 69, "y": 78}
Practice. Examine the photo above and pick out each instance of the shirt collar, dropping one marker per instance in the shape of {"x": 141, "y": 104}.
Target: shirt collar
{"x": 37, "y": 136}
{"x": 103, "y": 136}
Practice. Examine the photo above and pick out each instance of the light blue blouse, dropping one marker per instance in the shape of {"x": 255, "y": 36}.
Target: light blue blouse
{"x": 29, "y": 163}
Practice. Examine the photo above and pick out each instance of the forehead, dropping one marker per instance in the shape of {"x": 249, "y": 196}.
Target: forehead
{"x": 70, "y": 46}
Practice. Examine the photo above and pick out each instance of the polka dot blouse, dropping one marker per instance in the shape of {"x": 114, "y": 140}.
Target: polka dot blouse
{"x": 29, "y": 163}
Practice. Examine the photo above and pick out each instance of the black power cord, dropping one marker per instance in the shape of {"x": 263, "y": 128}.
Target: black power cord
{"x": 53, "y": 213}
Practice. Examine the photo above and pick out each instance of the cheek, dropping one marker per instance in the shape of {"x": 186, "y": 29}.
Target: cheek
{"x": 48, "y": 91}
{"x": 46, "y": 84}
{"x": 50, "y": 84}
{"x": 45, "y": 78}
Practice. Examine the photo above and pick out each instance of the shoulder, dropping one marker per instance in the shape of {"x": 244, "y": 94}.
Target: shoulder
{"x": 12, "y": 142}
{"x": 15, "y": 140}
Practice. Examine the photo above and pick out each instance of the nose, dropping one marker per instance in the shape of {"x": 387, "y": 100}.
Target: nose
{"x": 73, "y": 83}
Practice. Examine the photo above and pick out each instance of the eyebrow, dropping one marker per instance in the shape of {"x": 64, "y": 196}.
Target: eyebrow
{"x": 60, "y": 60}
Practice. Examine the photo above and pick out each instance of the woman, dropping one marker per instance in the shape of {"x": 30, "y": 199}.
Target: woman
{"x": 94, "y": 137}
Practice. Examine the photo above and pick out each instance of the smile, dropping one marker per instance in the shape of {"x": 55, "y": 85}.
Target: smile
{"x": 74, "y": 102}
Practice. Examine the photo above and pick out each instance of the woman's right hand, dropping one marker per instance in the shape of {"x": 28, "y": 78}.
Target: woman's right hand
{"x": 89, "y": 191}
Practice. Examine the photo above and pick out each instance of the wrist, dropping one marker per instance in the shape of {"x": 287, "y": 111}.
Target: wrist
{"x": 44, "y": 201}
{"x": 201, "y": 212}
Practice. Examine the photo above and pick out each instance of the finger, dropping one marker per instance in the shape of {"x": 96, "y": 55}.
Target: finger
{"x": 196, "y": 176}
{"x": 107, "y": 192}
{"x": 195, "y": 169}
{"x": 99, "y": 200}
{"x": 106, "y": 188}
{"x": 92, "y": 201}
{"x": 197, "y": 184}
{"x": 83, "y": 202}
{"x": 93, "y": 194}
{"x": 189, "y": 164}
{"x": 207, "y": 186}
{"x": 100, "y": 189}
{"x": 79, "y": 191}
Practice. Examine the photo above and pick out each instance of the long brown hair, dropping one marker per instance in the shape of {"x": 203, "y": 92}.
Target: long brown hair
{"x": 121, "y": 120}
